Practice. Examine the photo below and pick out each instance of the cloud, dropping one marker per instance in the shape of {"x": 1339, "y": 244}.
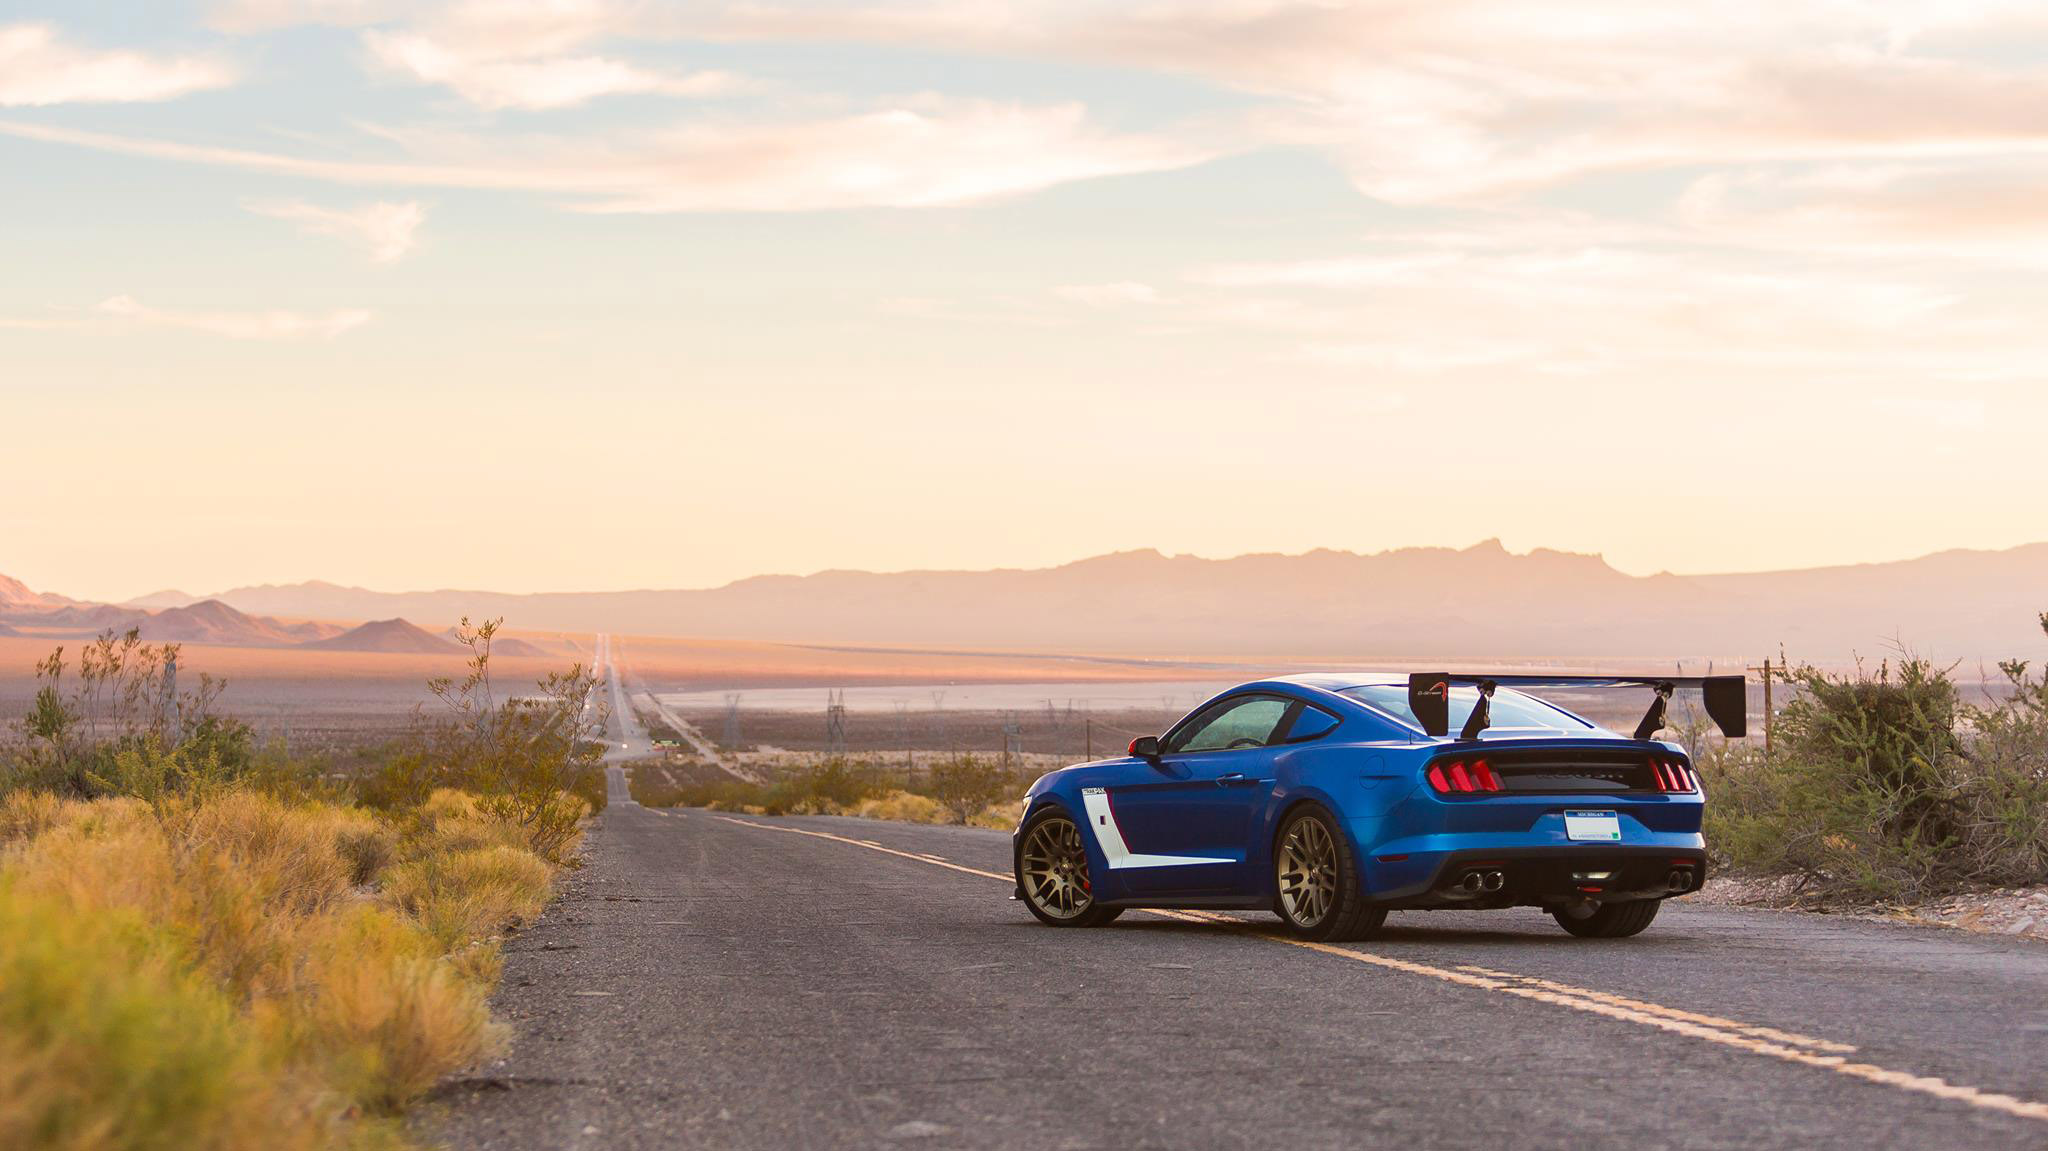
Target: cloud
{"x": 386, "y": 229}
{"x": 38, "y": 69}
{"x": 925, "y": 152}
{"x": 493, "y": 80}
{"x": 268, "y": 326}
{"x": 250, "y": 16}
{"x": 1118, "y": 295}
{"x": 1987, "y": 213}
{"x": 1426, "y": 101}
{"x": 496, "y": 54}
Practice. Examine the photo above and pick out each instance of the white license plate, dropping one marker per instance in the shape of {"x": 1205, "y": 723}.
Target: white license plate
{"x": 1592, "y": 826}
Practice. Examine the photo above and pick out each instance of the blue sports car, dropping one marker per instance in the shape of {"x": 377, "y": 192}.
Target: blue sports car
{"x": 1332, "y": 799}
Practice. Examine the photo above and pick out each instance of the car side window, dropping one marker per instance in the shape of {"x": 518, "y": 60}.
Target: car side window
{"x": 1310, "y": 723}
{"x": 1246, "y": 721}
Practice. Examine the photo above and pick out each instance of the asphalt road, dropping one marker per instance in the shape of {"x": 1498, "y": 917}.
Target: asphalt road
{"x": 625, "y": 738}
{"x": 720, "y": 981}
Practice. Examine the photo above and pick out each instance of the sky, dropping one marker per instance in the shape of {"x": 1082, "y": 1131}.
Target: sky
{"x": 592, "y": 294}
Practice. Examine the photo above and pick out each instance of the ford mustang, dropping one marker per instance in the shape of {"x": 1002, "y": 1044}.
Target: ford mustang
{"x": 1333, "y": 799}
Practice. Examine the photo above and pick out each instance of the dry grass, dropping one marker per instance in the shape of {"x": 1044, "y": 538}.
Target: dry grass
{"x": 902, "y": 806}
{"x": 469, "y": 897}
{"x": 244, "y": 972}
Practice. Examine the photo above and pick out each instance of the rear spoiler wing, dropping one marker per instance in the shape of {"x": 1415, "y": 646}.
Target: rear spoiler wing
{"x": 1726, "y": 696}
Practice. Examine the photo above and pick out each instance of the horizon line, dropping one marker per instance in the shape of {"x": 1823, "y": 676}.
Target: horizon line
{"x": 1480, "y": 545}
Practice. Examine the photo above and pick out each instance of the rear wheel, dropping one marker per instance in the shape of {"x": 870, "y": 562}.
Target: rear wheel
{"x": 1609, "y": 920}
{"x": 1052, "y": 872}
{"x": 1317, "y": 892}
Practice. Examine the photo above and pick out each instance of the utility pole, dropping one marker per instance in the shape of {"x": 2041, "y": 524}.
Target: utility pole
{"x": 1013, "y": 738}
{"x": 1765, "y": 670}
{"x": 1088, "y": 738}
{"x": 835, "y": 722}
{"x": 731, "y": 738}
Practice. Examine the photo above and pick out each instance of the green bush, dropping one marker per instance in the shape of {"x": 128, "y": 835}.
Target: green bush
{"x": 1888, "y": 787}
{"x": 957, "y": 790}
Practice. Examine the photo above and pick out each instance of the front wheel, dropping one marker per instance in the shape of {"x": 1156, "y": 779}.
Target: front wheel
{"x": 1609, "y": 920}
{"x": 1052, "y": 872}
{"x": 1317, "y": 891}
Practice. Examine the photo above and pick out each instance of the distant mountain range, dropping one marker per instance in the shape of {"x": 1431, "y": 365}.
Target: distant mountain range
{"x": 1420, "y": 603}
{"x": 215, "y": 623}
{"x": 390, "y": 635}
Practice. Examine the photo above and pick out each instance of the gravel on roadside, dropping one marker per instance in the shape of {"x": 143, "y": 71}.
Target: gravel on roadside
{"x": 2016, "y": 911}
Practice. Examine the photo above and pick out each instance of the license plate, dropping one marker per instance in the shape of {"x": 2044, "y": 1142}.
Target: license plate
{"x": 1592, "y": 826}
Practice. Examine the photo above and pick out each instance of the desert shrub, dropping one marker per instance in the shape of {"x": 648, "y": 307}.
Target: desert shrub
{"x": 451, "y": 821}
{"x": 520, "y": 756}
{"x": 384, "y": 1016}
{"x": 903, "y": 806}
{"x": 121, "y": 695}
{"x": 840, "y": 783}
{"x": 223, "y": 963}
{"x": 967, "y": 785}
{"x": 111, "y": 1039}
{"x": 26, "y": 814}
{"x": 1889, "y": 787}
{"x": 648, "y": 791}
{"x": 959, "y": 790}
{"x": 208, "y": 944}
{"x": 403, "y": 778}
{"x": 2002, "y": 812}
{"x": 1001, "y": 815}
{"x": 463, "y": 897}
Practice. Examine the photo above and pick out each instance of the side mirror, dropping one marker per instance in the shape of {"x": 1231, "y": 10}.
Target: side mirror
{"x": 1145, "y": 747}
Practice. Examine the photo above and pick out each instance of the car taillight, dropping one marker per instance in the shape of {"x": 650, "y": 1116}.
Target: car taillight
{"x": 1459, "y": 776}
{"x": 1673, "y": 776}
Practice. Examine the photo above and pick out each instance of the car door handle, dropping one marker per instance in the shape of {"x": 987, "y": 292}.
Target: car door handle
{"x": 1230, "y": 778}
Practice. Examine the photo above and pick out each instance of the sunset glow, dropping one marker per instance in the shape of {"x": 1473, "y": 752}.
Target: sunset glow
{"x": 533, "y": 294}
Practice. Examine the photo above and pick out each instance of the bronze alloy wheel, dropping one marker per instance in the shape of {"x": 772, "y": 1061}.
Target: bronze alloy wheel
{"x": 1308, "y": 873}
{"x": 1054, "y": 868}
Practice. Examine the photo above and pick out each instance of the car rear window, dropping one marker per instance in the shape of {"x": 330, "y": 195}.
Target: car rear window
{"x": 1511, "y": 709}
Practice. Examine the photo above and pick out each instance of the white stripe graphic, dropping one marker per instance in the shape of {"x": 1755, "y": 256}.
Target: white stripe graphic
{"x": 1110, "y": 837}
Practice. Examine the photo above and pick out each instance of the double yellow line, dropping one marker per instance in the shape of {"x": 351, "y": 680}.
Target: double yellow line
{"x": 1771, "y": 1042}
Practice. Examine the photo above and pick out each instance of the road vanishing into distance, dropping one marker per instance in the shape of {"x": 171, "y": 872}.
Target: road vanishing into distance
{"x": 713, "y": 980}
{"x": 625, "y": 738}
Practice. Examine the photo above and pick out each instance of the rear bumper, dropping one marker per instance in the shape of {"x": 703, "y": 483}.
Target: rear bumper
{"x": 1541, "y": 876}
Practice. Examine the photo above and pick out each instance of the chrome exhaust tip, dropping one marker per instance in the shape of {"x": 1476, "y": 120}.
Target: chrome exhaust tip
{"x": 1492, "y": 881}
{"x": 1471, "y": 883}
{"x": 1678, "y": 880}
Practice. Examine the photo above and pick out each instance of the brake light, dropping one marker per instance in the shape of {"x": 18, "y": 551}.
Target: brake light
{"x": 1673, "y": 776}
{"x": 1459, "y": 776}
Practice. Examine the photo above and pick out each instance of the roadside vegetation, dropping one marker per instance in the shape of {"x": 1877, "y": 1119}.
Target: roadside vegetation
{"x": 1890, "y": 786}
{"x": 1884, "y": 784}
{"x": 963, "y": 789}
{"x": 206, "y": 944}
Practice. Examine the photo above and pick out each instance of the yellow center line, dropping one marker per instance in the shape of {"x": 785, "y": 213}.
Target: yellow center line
{"x": 1771, "y": 1033}
{"x": 1790, "y": 1047}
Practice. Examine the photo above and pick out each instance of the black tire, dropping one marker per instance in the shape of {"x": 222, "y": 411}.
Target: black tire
{"x": 1610, "y": 920}
{"x": 1057, "y": 889}
{"x": 1318, "y": 892}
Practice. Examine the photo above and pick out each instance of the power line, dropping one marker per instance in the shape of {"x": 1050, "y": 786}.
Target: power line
{"x": 731, "y": 738}
{"x": 835, "y": 722}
